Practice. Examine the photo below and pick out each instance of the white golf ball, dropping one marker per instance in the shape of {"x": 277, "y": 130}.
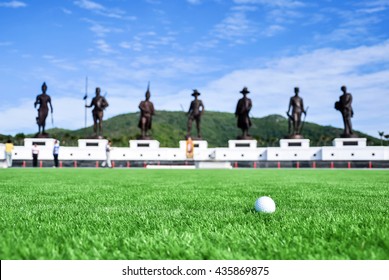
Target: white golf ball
{"x": 265, "y": 204}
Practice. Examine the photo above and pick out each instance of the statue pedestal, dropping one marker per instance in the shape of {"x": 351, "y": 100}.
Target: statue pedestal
{"x": 136, "y": 144}
{"x": 239, "y": 144}
{"x": 294, "y": 143}
{"x": 41, "y": 142}
{"x": 92, "y": 143}
{"x": 349, "y": 142}
{"x": 197, "y": 144}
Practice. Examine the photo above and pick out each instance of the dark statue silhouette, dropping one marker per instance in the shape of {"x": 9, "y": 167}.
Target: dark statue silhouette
{"x": 43, "y": 100}
{"x": 242, "y": 113}
{"x": 100, "y": 103}
{"x": 345, "y": 108}
{"x": 294, "y": 120}
{"x": 195, "y": 112}
{"x": 146, "y": 115}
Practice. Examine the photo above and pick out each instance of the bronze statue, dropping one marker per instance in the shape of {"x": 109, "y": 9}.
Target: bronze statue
{"x": 43, "y": 99}
{"x": 100, "y": 103}
{"x": 297, "y": 105}
{"x": 195, "y": 112}
{"x": 146, "y": 115}
{"x": 242, "y": 112}
{"x": 344, "y": 106}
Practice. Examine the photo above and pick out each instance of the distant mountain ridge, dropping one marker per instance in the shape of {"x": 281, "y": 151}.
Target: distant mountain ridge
{"x": 169, "y": 127}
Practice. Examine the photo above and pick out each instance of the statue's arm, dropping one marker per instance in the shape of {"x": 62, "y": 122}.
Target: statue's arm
{"x": 36, "y": 101}
{"x": 91, "y": 103}
{"x": 51, "y": 106}
{"x": 141, "y": 106}
{"x": 190, "y": 108}
{"x": 350, "y": 101}
{"x": 237, "y": 110}
{"x": 152, "y": 108}
{"x": 290, "y": 106}
{"x": 250, "y": 105}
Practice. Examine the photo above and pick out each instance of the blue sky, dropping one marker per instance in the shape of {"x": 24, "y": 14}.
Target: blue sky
{"x": 215, "y": 46}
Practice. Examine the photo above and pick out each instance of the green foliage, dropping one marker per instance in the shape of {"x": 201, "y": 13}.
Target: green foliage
{"x": 193, "y": 214}
{"x": 217, "y": 128}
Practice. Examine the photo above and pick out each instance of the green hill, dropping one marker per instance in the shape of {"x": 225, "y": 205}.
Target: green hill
{"x": 217, "y": 128}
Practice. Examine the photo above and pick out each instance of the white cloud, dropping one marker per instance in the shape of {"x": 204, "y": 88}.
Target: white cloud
{"x": 4, "y": 44}
{"x": 100, "y": 30}
{"x": 135, "y": 45}
{"x": 236, "y": 27}
{"x": 67, "y": 11}
{"x": 194, "y": 2}
{"x": 272, "y": 30}
{"x": 89, "y": 5}
{"x": 60, "y": 63}
{"x": 273, "y": 3}
{"x": 102, "y": 10}
{"x": 355, "y": 24}
{"x": 13, "y": 4}
{"x": 104, "y": 47}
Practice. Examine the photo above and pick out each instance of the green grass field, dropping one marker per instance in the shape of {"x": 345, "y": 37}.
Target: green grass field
{"x": 193, "y": 214}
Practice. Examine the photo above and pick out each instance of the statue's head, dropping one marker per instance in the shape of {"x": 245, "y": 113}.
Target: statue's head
{"x": 244, "y": 91}
{"x": 44, "y": 87}
{"x": 98, "y": 90}
{"x": 296, "y": 90}
{"x": 343, "y": 88}
{"x": 195, "y": 93}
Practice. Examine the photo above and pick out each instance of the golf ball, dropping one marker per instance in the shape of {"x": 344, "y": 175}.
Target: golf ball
{"x": 265, "y": 204}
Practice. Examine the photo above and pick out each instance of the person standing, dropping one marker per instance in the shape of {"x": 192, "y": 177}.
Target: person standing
{"x": 8, "y": 152}
{"x": 242, "y": 113}
{"x": 56, "y": 152}
{"x": 108, "y": 149}
{"x": 35, "y": 153}
{"x": 189, "y": 148}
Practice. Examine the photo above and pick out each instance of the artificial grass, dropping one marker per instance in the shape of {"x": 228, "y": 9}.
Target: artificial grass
{"x": 193, "y": 214}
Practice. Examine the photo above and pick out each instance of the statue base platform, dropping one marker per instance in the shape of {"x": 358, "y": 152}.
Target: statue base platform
{"x": 248, "y": 137}
{"x": 94, "y": 136}
{"x": 349, "y": 142}
{"x": 238, "y": 144}
{"x": 294, "y": 143}
{"x": 198, "y": 144}
{"x": 42, "y": 142}
{"x": 136, "y": 144}
{"x": 194, "y": 138}
{"x": 295, "y": 136}
{"x": 349, "y": 136}
{"x": 92, "y": 143}
{"x": 144, "y": 138}
{"x": 42, "y": 135}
